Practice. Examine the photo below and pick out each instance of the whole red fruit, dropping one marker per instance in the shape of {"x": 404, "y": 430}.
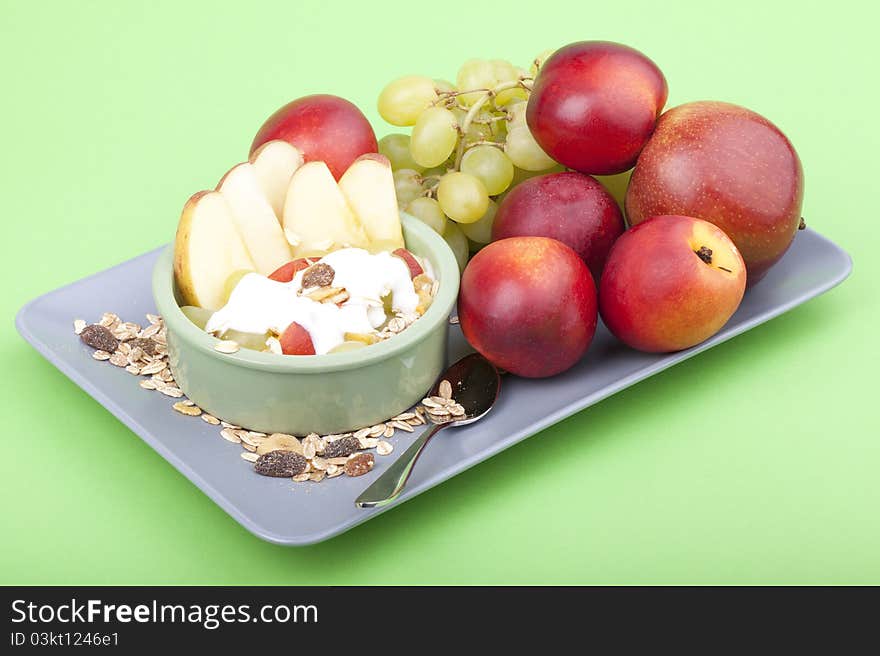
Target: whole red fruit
{"x": 325, "y": 128}
{"x": 594, "y": 105}
{"x": 528, "y": 304}
{"x": 571, "y": 207}
{"x": 671, "y": 283}
{"x": 728, "y": 165}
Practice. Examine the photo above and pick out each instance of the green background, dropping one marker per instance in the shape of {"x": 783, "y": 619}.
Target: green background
{"x": 755, "y": 462}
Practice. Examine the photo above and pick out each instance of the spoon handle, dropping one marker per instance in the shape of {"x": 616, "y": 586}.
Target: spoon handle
{"x": 390, "y": 484}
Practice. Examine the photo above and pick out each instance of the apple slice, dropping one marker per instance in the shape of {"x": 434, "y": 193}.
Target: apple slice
{"x": 256, "y": 222}
{"x": 274, "y": 163}
{"x": 415, "y": 269}
{"x": 368, "y": 186}
{"x": 286, "y": 272}
{"x": 295, "y": 340}
{"x": 207, "y": 249}
{"x": 317, "y": 218}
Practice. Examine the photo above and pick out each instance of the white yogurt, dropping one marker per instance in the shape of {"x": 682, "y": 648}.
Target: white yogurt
{"x": 259, "y": 305}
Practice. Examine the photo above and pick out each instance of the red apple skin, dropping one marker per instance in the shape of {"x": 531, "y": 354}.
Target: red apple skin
{"x": 528, "y": 304}
{"x": 728, "y": 165}
{"x": 570, "y": 207}
{"x": 295, "y": 340}
{"x": 415, "y": 269}
{"x": 325, "y": 128}
{"x": 657, "y": 295}
{"x": 594, "y": 105}
{"x": 286, "y": 272}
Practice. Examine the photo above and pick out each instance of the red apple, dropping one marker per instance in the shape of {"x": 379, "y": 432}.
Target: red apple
{"x": 325, "y": 128}
{"x": 670, "y": 283}
{"x": 286, "y": 272}
{"x": 728, "y": 165}
{"x": 594, "y": 105}
{"x": 528, "y": 304}
{"x": 570, "y": 207}
{"x": 295, "y": 340}
{"x": 415, "y": 269}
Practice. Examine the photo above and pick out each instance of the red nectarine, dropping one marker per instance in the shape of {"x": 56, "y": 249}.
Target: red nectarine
{"x": 325, "y": 128}
{"x": 594, "y": 104}
{"x": 670, "y": 283}
{"x": 571, "y": 207}
{"x": 528, "y": 304}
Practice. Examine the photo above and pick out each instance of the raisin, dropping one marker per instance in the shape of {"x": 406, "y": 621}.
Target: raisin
{"x": 281, "y": 464}
{"x": 342, "y": 448}
{"x": 318, "y": 275}
{"x": 99, "y": 337}
{"x": 360, "y": 464}
{"x": 147, "y": 345}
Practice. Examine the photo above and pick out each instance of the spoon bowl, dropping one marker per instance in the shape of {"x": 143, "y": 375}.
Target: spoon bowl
{"x": 475, "y": 386}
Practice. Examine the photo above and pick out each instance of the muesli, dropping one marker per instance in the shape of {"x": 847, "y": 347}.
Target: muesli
{"x": 143, "y": 352}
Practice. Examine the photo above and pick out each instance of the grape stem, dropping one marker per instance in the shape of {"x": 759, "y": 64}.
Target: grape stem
{"x": 486, "y": 121}
{"x": 475, "y": 108}
{"x": 484, "y": 142}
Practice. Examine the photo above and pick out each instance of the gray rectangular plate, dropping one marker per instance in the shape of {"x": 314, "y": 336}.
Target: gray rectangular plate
{"x": 284, "y": 512}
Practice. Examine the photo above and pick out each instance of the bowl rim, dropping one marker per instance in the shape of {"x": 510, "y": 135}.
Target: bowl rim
{"x": 445, "y": 268}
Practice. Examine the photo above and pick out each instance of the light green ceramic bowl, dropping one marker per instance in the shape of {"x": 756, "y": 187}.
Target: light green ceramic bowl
{"x": 322, "y": 394}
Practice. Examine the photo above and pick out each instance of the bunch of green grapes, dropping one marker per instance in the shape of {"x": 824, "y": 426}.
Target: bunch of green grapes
{"x": 469, "y": 145}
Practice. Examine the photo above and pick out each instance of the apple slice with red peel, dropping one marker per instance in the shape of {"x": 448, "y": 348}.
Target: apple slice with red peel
{"x": 207, "y": 249}
{"x": 256, "y": 222}
{"x": 295, "y": 340}
{"x": 286, "y": 272}
{"x": 275, "y": 162}
{"x": 415, "y": 269}
{"x": 317, "y": 218}
{"x": 368, "y": 186}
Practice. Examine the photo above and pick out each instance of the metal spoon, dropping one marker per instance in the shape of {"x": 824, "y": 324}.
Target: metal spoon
{"x": 475, "y": 385}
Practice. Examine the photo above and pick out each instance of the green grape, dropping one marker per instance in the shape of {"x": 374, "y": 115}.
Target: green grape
{"x": 503, "y": 71}
{"x": 480, "y": 231}
{"x": 462, "y": 197}
{"x": 251, "y": 341}
{"x": 539, "y": 61}
{"x": 516, "y": 115}
{"x": 427, "y": 210}
{"x": 231, "y": 281}
{"x": 434, "y": 136}
{"x": 396, "y": 148}
{"x": 458, "y": 243}
{"x": 198, "y": 315}
{"x": 407, "y": 185}
{"x": 402, "y": 100}
{"x": 435, "y": 172}
{"x": 474, "y": 247}
{"x": 491, "y": 166}
{"x": 524, "y": 151}
{"x": 474, "y": 74}
{"x": 443, "y": 86}
{"x": 507, "y": 97}
{"x": 345, "y": 347}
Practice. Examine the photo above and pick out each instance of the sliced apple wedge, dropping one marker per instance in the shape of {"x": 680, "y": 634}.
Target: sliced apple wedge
{"x": 274, "y": 163}
{"x": 206, "y": 250}
{"x": 317, "y": 218}
{"x": 256, "y": 222}
{"x": 368, "y": 186}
